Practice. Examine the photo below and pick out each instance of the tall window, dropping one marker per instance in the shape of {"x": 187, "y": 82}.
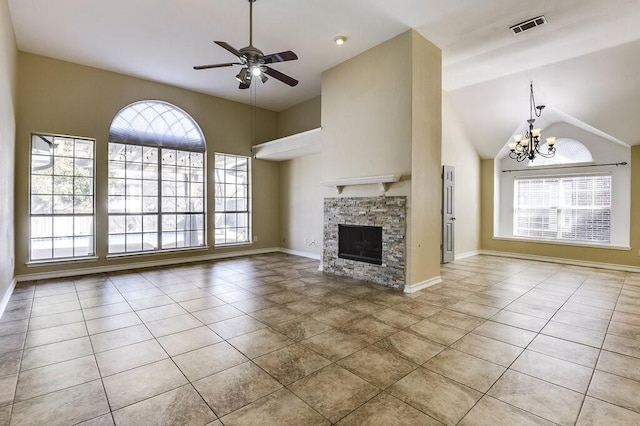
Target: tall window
{"x": 232, "y": 215}
{"x": 574, "y": 208}
{"x": 156, "y": 180}
{"x": 62, "y": 202}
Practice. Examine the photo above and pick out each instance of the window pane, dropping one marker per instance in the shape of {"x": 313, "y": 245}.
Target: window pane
{"x": 117, "y": 243}
{"x": 63, "y": 204}
{"x": 42, "y": 185}
{"x": 41, "y": 248}
{"x": 62, "y": 247}
{"x": 41, "y": 226}
{"x": 116, "y": 224}
{"x": 63, "y": 226}
{"x": 41, "y": 204}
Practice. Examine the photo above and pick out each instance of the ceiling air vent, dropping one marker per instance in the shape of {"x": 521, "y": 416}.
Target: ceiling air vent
{"x": 528, "y": 24}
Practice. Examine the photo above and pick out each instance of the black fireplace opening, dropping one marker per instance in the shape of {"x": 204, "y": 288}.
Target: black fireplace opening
{"x": 361, "y": 243}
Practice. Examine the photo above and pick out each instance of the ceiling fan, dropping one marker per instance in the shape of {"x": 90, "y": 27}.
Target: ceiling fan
{"x": 253, "y": 61}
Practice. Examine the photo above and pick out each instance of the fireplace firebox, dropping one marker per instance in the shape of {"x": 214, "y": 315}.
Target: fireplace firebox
{"x": 361, "y": 243}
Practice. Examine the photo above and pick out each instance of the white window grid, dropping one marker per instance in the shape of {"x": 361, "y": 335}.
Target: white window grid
{"x": 232, "y": 199}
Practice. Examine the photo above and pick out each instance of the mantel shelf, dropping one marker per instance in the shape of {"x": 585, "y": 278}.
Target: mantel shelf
{"x": 383, "y": 182}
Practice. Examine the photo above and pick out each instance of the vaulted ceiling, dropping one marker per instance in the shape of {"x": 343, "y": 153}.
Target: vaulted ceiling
{"x": 584, "y": 62}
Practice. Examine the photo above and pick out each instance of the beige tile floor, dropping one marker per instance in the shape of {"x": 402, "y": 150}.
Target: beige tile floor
{"x": 268, "y": 340}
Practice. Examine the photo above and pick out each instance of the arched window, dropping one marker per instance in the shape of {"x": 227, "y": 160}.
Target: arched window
{"x": 568, "y": 151}
{"x": 156, "y": 179}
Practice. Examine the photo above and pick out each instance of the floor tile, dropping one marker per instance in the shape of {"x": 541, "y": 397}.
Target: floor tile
{"x": 515, "y": 319}
{"x": 554, "y": 370}
{"x": 188, "y": 340}
{"x": 477, "y": 310}
{"x": 335, "y": 316}
{"x": 172, "y": 325}
{"x": 621, "y": 365}
{"x": 301, "y": 328}
{"x": 249, "y": 306}
{"x": 217, "y": 313}
{"x": 488, "y": 349}
{"x": 56, "y": 308}
{"x": 536, "y": 310}
{"x": 443, "y": 399}
{"x": 385, "y": 410}
{"x": 473, "y": 372}
{"x": 51, "y": 378}
{"x": 566, "y": 350}
{"x": 181, "y": 406}
{"x": 492, "y": 412}
{"x": 334, "y": 345}
{"x": 456, "y": 319}
{"x": 260, "y": 342}
{"x": 150, "y": 302}
{"x": 52, "y": 353}
{"x": 333, "y": 391}
{"x": 201, "y": 303}
{"x": 103, "y": 420}
{"x": 235, "y": 387}
{"x": 10, "y": 362}
{"x": 549, "y": 401}
{"x": 396, "y": 318}
{"x": 596, "y": 412}
{"x": 581, "y": 320}
{"x": 64, "y": 407}
{"x": 236, "y": 326}
{"x": 121, "y": 337}
{"x": 438, "y": 333}
{"x": 7, "y": 389}
{"x": 100, "y": 325}
{"x": 55, "y": 320}
{"x": 129, "y": 357}
{"x": 208, "y": 360}
{"x": 161, "y": 312}
{"x": 291, "y": 363}
{"x": 410, "y": 346}
{"x": 615, "y": 390}
{"x": 281, "y": 407}
{"x": 574, "y": 334}
{"x": 55, "y": 334}
{"x": 13, "y": 327}
{"x": 99, "y": 301}
{"x": 377, "y": 366}
{"x": 275, "y": 315}
{"x": 106, "y": 310}
{"x": 134, "y": 385}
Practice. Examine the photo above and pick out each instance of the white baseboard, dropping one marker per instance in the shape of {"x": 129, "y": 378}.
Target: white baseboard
{"x": 7, "y": 295}
{"x": 585, "y": 263}
{"x": 140, "y": 265}
{"x": 467, "y": 254}
{"x": 299, "y": 253}
{"x": 422, "y": 285}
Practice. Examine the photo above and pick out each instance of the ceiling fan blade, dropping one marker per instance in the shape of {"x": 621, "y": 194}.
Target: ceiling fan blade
{"x": 228, "y": 47}
{"x": 280, "y": 57}
{"x": 244, "y": 86}
{"x": 280, "y": 76}
{"x": 206, "y": 67}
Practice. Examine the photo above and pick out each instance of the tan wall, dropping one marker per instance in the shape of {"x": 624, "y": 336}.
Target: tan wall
{"x": 64, "y": 98}
{"x": 302, "y": 204}
{"x": 366, "y": 117}
{"x": 619, "y": 257}
{"x": 300, "y": 118}
{"x": 459, "y": 152}
{"x": 8, "y": 64}
{"x": 426, "y": 137}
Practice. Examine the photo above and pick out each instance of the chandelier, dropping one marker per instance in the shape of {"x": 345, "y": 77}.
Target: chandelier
{"x": 528, "y": 146}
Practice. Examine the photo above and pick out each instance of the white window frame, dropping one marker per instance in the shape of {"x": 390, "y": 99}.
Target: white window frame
{"x": 561, "y": 220}
{"x": 226, "y": 194}
{"x": 57, "y": 230}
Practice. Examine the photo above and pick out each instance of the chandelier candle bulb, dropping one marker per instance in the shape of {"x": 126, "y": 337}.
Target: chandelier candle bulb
{"x": 517, "y": 138}
{"x": 551, "y": 140}
{"x": 536, "y": 133}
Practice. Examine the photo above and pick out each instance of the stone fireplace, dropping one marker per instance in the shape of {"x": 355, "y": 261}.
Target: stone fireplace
{"x": 363, "y": 214}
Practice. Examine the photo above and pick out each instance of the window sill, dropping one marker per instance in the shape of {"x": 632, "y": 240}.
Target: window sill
{"x": 50, "y": 262}
{"x": 157, "y": 252}
{"x": 564, "y": 243}
{"x": 231, "y": 245}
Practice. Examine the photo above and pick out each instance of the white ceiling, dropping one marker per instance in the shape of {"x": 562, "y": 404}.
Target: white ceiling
{"x": 585, "y": 63}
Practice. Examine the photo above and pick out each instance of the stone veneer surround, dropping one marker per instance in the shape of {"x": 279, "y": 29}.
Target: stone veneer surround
{"x": 387, "y": 212}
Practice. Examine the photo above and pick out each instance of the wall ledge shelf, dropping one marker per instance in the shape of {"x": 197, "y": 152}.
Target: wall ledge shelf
{"x": 383, "y": 182}
{"x": 289, "y": 147}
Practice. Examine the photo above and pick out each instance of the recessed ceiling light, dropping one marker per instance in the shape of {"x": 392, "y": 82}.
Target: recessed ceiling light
{"x": 340, "y": 40}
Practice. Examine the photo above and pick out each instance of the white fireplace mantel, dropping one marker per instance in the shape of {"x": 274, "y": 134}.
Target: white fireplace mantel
{"x": 383, "y": 182}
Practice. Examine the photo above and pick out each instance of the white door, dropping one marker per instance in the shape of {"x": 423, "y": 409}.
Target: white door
{"x": 448, "y": 214}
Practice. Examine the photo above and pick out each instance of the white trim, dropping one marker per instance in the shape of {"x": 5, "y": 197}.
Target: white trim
{"x": 55, "y": 262}
{"x": 7, "y": 295}
{"x": 299, "y": 253}
{"x": 586, "y": 263}
{"x": 467, "y": 254}
{"x": 422, "y": 285}
{"x": 139, "y": 265}
{"x": 563, "y": 243}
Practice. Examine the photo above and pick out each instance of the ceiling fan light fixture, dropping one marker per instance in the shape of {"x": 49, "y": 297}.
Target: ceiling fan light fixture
{"x": 243, "y": 76}
{"x": 263, "y": 78}
{"x": 340, "y": 40}
{"x": 256, "y": 71}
